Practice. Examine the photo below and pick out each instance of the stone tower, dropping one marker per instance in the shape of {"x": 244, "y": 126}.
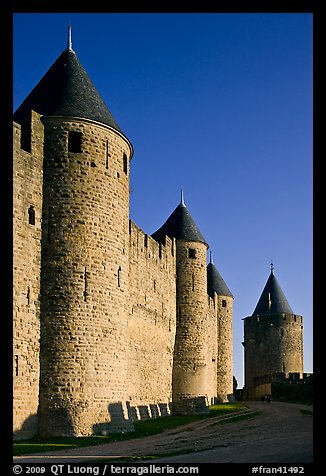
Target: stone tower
{"x": 223, "y": 309}
{"x": 85, "y": 254}
{"x": 189, "y": 383}
{"x": 273, "y": 337}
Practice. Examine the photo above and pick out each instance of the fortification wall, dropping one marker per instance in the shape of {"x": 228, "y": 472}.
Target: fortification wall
{"x": 152, "y": 323}
{"x": 27, "y": 223}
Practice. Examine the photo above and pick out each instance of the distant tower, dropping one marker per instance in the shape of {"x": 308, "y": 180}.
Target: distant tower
{"x": 189, "y": 383}
{"x": 85, "y": 254}
{"x": 273, "y": 337}
{"x": 223, "y": 304}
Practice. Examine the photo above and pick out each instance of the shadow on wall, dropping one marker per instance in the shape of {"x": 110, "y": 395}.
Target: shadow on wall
{"x": 28, "y": 429}
{"x": 122, "y": 416}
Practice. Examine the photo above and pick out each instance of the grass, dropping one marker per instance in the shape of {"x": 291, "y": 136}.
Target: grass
{"x": 306, "y": 412}
{"x": 142, "y": 429}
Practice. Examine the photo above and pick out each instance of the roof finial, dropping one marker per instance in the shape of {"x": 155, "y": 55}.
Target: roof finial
{"x": 210, "y": 258}
{"x": 272, "y": 267}
{"x": 182, "y": 199}
{"x": 69, "y": 39}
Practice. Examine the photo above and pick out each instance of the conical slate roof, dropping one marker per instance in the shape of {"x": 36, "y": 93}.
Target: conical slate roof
{"x": 272, "y": 299}
{"x": 181, "y": 226}
{"x": 66, "y": 90}
{"x": 215, "y": 282}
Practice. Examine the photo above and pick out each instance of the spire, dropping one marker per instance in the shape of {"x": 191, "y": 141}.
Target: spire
{"x": 182, "y": 203}
{"x": 66, "y": 90}
{"x": 180, "y": 225}
{"x": 215, "y": 282}
{"x": 272, "y": 299}
{"x": 69, "y": 48}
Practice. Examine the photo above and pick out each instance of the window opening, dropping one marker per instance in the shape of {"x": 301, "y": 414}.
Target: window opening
{"x": 74, "y": 141}
{"x": 125, "y": 164}
{"x": 31, "y": 215}
{"x": 192, "y": 253}
{"x": 85, "y": 285}
{"x": 223, "y": 302}
{"x": 107, "y": 155}
{"x": 119, "y": 276}
{"x": 16, "y": 365}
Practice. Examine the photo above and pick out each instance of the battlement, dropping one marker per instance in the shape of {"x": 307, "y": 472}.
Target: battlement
{"x": 29, "y": 135}
{"x": 273, "y": 319}
{"x": 283, "y": 377}
{"x": 142, "y": 244}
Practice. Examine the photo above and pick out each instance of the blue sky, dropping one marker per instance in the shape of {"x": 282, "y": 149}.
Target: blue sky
{"x": 219, "y": 105}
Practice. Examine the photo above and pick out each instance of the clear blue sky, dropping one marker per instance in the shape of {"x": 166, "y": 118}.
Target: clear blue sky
{"x": 219, "y": 105}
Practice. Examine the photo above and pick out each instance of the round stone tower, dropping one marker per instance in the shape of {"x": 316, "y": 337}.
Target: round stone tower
{"x": 85, "y": 255}
{"x": 273, "y": 337}
{"x": 189, "y": 381}
{"x": 223, "y": 304}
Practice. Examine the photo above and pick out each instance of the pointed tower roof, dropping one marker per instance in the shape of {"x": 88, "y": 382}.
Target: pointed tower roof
{"x": 180, "y": 225}
{"x": 215, "y": 282}
{"x": 66, "y": 90}
{"x": 272, "y": 299}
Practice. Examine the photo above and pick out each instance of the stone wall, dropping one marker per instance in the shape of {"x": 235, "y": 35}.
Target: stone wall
{"x": 224, "y": 378}
{"x": 212, "y": 349}
{"x": 27, "y": 223}
{"x": 190, "y": 370}
{"x": 85, "y": 279}
{"x": 220, "y": 350}
{"x": 152, "y": 324}
{"x": 273, "y": 343}
{"x": 127, "y": 326}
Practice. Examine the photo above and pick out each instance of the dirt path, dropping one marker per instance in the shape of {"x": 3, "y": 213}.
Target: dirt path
{"x": 279, "y": 434}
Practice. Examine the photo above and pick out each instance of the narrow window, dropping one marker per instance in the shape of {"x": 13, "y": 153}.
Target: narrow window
{"x": 31, "y": 215}
{"x": 119, "y": 276}
{"x": 125, "y": 164}
{"x": 107, "y": 155}
{"x": 28, "y": 295}
{"x": 160, "y": 251}
{"x": 192, "y": 253}
{"x": 283, "y": 367}
{"x": 223, "y": 302}
{"x": 281, "y": 332}
{"x": 145, "y": 240}
{"x": 154, "y": 286}
{"x": 85, "y": 285}
{"x": 179, "y": 315}
{"x": 193, "y": 282}
{"x": 74, "y": 141}
{"x": 16, "y": 365}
